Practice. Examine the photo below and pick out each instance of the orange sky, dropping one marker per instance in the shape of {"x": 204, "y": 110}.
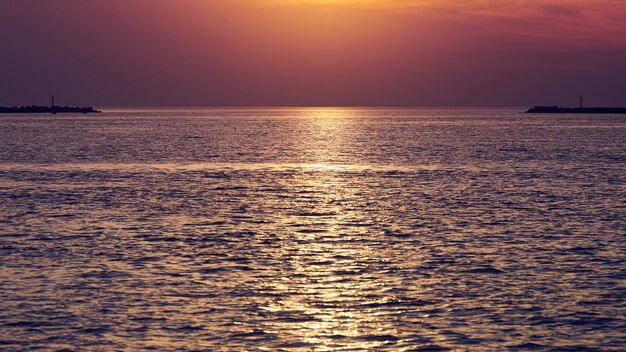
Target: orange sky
{"x": 314, "y": 52}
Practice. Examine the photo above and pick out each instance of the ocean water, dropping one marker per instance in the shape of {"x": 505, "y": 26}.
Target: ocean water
{"x": 313, "y": 229}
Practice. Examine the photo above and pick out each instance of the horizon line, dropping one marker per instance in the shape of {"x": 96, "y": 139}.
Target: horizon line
{"x": 316, "y": 107}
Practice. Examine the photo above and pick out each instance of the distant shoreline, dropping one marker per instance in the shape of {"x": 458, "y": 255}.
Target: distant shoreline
{"x": 580, "y": 110}
{"x": 47, "y": 109}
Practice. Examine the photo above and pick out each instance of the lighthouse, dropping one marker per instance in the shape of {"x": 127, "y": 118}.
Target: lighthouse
{"x": 581, "y": 102}
{"x": 52, "y": 106}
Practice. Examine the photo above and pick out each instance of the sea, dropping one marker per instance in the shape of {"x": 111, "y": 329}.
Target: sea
{"x": 314, "y": 229}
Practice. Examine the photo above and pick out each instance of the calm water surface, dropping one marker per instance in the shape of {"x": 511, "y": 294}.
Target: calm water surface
{"x": 313, "y": 230}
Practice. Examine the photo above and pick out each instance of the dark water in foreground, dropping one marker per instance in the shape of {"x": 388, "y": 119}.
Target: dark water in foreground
{"x": 313, "y": 230}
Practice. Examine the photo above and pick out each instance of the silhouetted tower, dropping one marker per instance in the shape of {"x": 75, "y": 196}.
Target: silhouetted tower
{"x": 581, "y": 102}
{"x": 52, "y": 106}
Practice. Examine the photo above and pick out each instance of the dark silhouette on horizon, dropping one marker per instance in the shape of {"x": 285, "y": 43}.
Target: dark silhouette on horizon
{"x": 578, "y": 110}
{"x": 561, "y": 110}
{"x": 52, "y": 109}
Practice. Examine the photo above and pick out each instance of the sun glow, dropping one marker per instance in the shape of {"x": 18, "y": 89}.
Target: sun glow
{"x": 377, "y": 3}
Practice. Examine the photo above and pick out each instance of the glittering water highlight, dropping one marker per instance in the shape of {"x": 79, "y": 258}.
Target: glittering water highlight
{"x": 313, "y": 230}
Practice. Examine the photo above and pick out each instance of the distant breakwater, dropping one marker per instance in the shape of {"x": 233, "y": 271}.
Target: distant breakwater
{"x": 580, "y": 110}
{"x": 47, "y": 109}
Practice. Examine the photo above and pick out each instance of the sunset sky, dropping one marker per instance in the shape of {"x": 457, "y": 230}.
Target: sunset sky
{"x": 313, "y": 52}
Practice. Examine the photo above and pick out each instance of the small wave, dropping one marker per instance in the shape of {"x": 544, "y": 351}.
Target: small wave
{"x": 487, "y": 270}
{"x": 379, "y": 338}
{"x": 315, "y": 214}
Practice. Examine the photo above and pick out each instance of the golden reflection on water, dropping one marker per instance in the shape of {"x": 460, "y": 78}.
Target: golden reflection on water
{"x": 325, "y": 268}
{"x": 325, "y": 134}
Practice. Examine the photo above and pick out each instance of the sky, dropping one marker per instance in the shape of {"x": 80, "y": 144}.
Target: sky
{"x": 401, "y": 53}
